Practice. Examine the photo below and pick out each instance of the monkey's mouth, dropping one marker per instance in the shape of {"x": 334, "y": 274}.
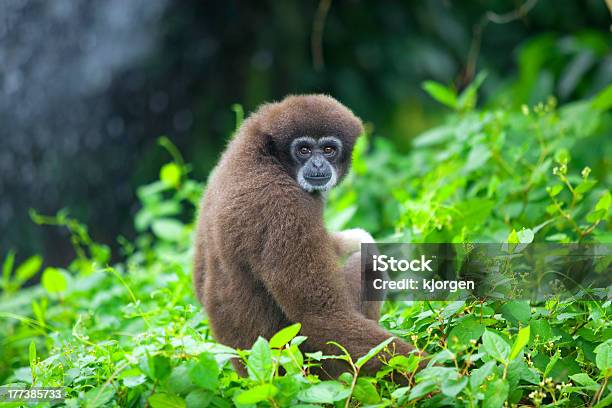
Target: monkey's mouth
{"x": 318, "y": 179}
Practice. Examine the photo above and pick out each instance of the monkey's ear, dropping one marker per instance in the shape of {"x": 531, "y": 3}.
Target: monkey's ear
{"x": 268, "y": 147}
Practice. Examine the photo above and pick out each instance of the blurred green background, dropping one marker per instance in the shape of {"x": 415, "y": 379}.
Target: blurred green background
{"x": 87, "y": 87}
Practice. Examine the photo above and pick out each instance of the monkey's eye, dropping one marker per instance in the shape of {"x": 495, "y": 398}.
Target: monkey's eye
{"x": 329, "y": 150}
{"x": 304, "y": 150}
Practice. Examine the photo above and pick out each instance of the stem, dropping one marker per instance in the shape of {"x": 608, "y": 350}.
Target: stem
{"x": 296, "y": 362}
{"x": 568, "y": 217}
{"x": 116, "y": 274}
{"x": 147, "y": 405}
{"x": 316, "y": 38}
{"x": 589, "y": 229}
{"x": 171, "y": 148}
{"x": 353, "y": 384}
{"x": 491, "y": 16}
{"x": 502, "y": 163}
{"x": 599, "y": 393}
{"x": 565, "y": 180}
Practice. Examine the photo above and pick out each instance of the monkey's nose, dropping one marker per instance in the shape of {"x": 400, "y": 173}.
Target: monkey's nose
{"x": 317, "y": 163}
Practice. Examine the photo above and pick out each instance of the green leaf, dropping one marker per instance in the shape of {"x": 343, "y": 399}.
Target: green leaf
{"x": 365, "y": 392}
{"x": 603, "y": 100}
{"x": 403, "y": 363}
{"x": 557, "y": 237}
{"x": 539, "y": 173}
{"x": 525, "y": 236}
{"x": 433, "y": 136}
{"x": 453, "y": 386}
{"x": 7, "y": 268}
{"x": 198, "y": 399}
{"x": 540, "y": 328}
{"x": 163, "y": 400}
{"x": 399, "y": 393}
{"x": 584, "y": 380}
{"x": 151, "y": 192}
{"x": 288, "y": 388}
{"x": 29, "y": 268}
{"x": 512, "y": 237}
{"x": 467, "y": 99}
{"x": 157, "y": 366}
{"x": 292, "y": 359}
{"x": 170, "y": 175}
{"x": 562, "y": 156}
{"x": 605, "y": 402}
{"x": 285, "y": 335}
{"x": 297, "y": 340}
{"x": 442, "y": 356}
{"x": 168, "y": 229}
{"x": 495, "y": 346}
{"x": 99, "y": 396}
{"x": 516, "y": 311}
{"x": 134, "y": 380}
{"x": 205, "y": 372}
{"x": 603, "y": 358}
{"x": 324, "y": 392}
{"x": 468, "y": 329}
{"x": 32, "y": 353}
{"x": 359, "y": 164}
{"x": 478, "y": 376}
{"x": 519, "y": 369}
{"x": 555, "y": 190}
{"x": 474, "y": 212}
{"x": 421, "y": 389}
{"x": 239, "y": 115}
{"x": 596, "y": 216}
{"x": 452, "y": 309}
{"x": 39, "y": 309}
{"x": 256, "y": 394}
{"x": 178, "y": 381}
{"x": 259, "y": 363}
{"x": 496, "y": 394}
{"x": 521, "y": 340}
{"x": 441, "y": 93}
{"x": 585, "y": 186}
{"x": 551, "y": 363}
{"x": 477, "y": 158}
{"x": 604, "y": 202}
{"x": 364, "y": 359}
{"x": 511, "y": 242}
{"x": 54, "y": 281}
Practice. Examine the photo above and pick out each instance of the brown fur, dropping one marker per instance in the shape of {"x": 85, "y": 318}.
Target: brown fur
{"x": 263, "y": 258}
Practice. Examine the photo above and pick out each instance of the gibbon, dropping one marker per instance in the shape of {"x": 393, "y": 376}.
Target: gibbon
{"x": 263, "y": 258}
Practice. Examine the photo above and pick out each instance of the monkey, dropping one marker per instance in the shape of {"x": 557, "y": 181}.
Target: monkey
{"x": 263, "y": 258}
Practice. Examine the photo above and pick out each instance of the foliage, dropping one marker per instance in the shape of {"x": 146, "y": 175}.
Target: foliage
{"x": 131, "y": 334}
{"x": 484, "y": 174}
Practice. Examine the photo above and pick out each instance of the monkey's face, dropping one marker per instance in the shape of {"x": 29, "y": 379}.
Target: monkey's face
{"x": 311, "y": 136}
{"x": 316, "y": 162}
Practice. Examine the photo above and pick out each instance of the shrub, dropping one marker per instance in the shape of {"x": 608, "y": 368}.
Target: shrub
{"x": 132, "y": 334}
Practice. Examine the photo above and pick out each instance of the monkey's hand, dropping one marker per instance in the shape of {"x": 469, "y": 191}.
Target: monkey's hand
{"x": 349, "y": 241}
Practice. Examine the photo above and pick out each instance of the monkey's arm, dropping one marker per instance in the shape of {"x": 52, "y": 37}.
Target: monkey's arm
{"x": 349, "y": 241}
{"x": 300, "y": 269}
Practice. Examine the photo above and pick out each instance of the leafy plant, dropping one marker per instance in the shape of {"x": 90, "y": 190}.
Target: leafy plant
{"x": 132, "y": 334}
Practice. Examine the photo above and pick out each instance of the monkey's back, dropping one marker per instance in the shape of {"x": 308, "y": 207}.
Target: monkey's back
{"x": 234, "y": 215}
